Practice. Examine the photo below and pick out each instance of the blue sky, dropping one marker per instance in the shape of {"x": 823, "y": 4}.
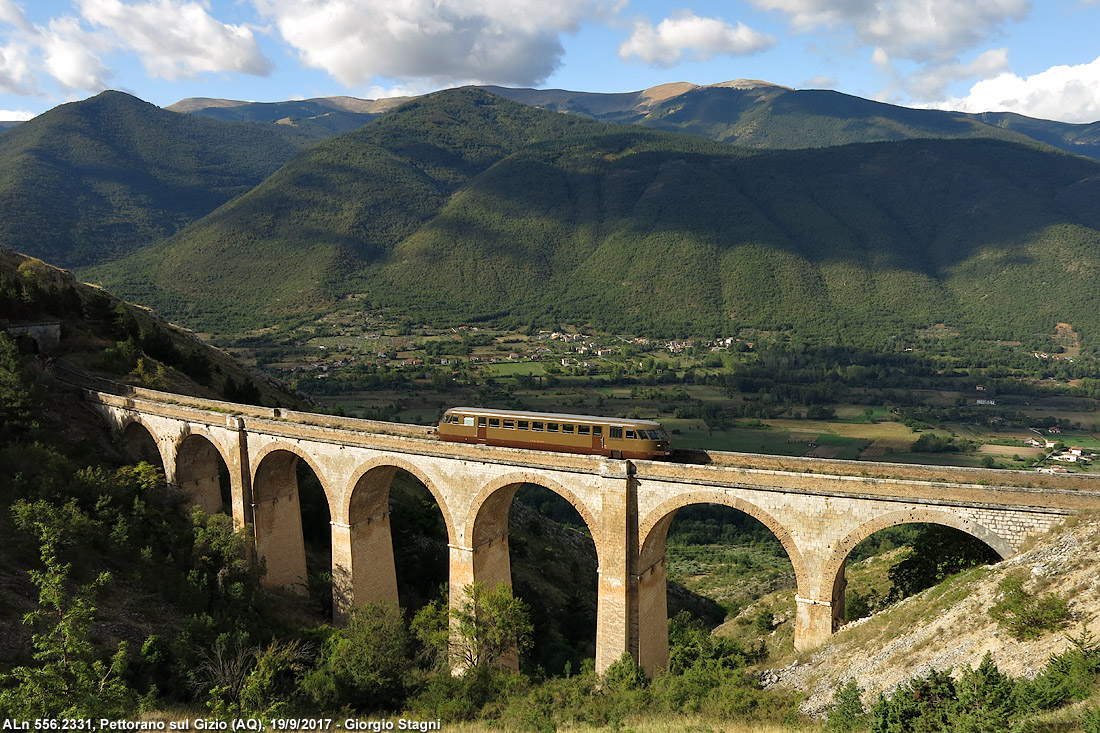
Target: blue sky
{"x": 1037, "y": 58}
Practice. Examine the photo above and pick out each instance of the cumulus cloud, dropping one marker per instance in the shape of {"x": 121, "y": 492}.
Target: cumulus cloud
{"x": 12, "y": 14}
{"x": 442, "y": 41}
{"x": 1065, "y": 93}
{"x": 15, "y": 115}
{"x": 931, "y": 82}
{"x": 178, "y": 39}
{"x": 15, "y": 68}
{"x": 921, "y": 30}
{"x": 173, "y": 39}
{"x": 71, "y": 55}
{"x": 698, "y": 38}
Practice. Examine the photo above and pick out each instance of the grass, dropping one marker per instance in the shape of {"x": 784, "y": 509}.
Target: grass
{"x": 513, "y": 368}
{"x": 663, "y": 723}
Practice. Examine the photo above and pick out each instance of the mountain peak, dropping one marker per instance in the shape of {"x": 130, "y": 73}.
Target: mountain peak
{"x": 747, "y": 84}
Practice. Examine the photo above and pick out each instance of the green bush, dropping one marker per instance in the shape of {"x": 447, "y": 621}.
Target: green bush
{"x": 70, "y": 679}
{"x": 1024, "y": 615}
{"x": 847, "y": 712}
{"x": 1090, "y": 719}
{"x": 365, "y": 665}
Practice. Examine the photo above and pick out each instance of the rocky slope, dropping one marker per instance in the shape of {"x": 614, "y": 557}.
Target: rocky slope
{"x": 949, "y": 627}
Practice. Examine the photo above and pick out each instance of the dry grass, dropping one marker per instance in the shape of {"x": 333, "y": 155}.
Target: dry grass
{"x": 870, "y": 431}
{"x": 661, "y": 724}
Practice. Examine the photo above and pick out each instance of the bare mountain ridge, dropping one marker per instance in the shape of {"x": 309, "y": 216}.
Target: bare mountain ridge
{"x": 561, "y": 100}
{"x": 743, "y": 111}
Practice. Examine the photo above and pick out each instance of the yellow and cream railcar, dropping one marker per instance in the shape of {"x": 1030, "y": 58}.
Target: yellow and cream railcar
{"x": 604, "y": 436}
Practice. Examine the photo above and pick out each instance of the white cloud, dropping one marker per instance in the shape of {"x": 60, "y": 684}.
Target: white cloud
{"x": 13, "y": 15}
{"x": 931, "y": 82}
{"x": 15, "y": 69}
{"x": 442, "y": 41}
{"x": 699, "y": 38}
{"x": 880, "y": 58}
{"x": 820, "y": 82}
{"x": 921, "y": 30}
{"x": 178, "y": 39}
{"x": 71, "y": 55}
{"x": 13, "y": 115}
{"x": 1065, "y": 93}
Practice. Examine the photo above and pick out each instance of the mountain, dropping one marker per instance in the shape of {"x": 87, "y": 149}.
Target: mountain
{"x": 462, "y": 205}
{"x": 8, "y": 124}
{"x": 91, "y": 181}
{"x": 102, "y": 336}
{"x": 743, "y": 111}
{"x": 317, "y": 118}
{"x": 293, "y": 242}
{"x": 1082, "y": 139}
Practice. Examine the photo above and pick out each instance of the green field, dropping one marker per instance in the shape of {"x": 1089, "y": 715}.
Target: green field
{"x": 512, "y": 368}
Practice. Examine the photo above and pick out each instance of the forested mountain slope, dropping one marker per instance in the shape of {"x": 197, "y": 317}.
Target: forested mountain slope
{"x": 743, "y": 111}
{"x": 295, "y": 242}
{"x": 464, "y": 206}
{"x": 90, "y": 181}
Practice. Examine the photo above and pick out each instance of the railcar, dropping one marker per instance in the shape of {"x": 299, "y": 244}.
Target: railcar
{"x": 604, "y": 436}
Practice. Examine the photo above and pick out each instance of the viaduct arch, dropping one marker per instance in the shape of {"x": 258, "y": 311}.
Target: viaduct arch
{"x": 818, "y": 509}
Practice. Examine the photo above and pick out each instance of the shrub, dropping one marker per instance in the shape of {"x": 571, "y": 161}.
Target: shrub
{"x": 1024, "y": 615}
{"x": 70, "y": 681}
{"x": 847, "y": 712}
{"x": 364, "y": 665}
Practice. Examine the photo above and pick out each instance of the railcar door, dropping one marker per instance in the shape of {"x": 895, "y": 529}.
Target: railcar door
{"x": 597, "y": 439}
{"x": 482, "y": 430}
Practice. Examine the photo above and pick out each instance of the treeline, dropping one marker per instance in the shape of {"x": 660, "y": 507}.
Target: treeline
{"x": 979, "y": 699}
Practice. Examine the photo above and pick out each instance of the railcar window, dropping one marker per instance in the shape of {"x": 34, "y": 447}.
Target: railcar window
{"x": 468, "y": 421}
{"x": 481, "y": 422}
{"x": 537, "y": 427}
{"x": 583, "y": 430}
{"x": 551, "y": 427}
{"x": 662, "y": 435}
{"x": 629, "y": 434}
{"x": 521, "y": 425}
{"x": 509, "y": 424}
{"x": 494, "y": 422}
{"x": 615, "y": 432}
{"x": 567, "y": 428}
{"x": 597, "y": 429}
{"x": 653, "y": 435}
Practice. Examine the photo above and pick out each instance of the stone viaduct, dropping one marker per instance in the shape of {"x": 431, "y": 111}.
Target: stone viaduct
{"x": 818, "y": 509}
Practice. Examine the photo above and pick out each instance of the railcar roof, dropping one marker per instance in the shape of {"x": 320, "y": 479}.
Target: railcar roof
{"x": 479, "y": 411}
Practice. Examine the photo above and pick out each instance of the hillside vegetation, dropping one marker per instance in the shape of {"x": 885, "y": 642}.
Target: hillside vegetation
{"x": 91, "y": 181}
{"x": 746, "y": 112}
{"x": 463, "y": 206}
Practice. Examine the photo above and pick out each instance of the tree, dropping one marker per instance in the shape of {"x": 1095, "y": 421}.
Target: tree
{"x": 486, "y": 631}
{"x": 365, "y": 664}
{"x": 847, "y": 713}
{"x": 71, "y": 681}
{"x": 985, "y": 698}
{"x": 15, "y": 398}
